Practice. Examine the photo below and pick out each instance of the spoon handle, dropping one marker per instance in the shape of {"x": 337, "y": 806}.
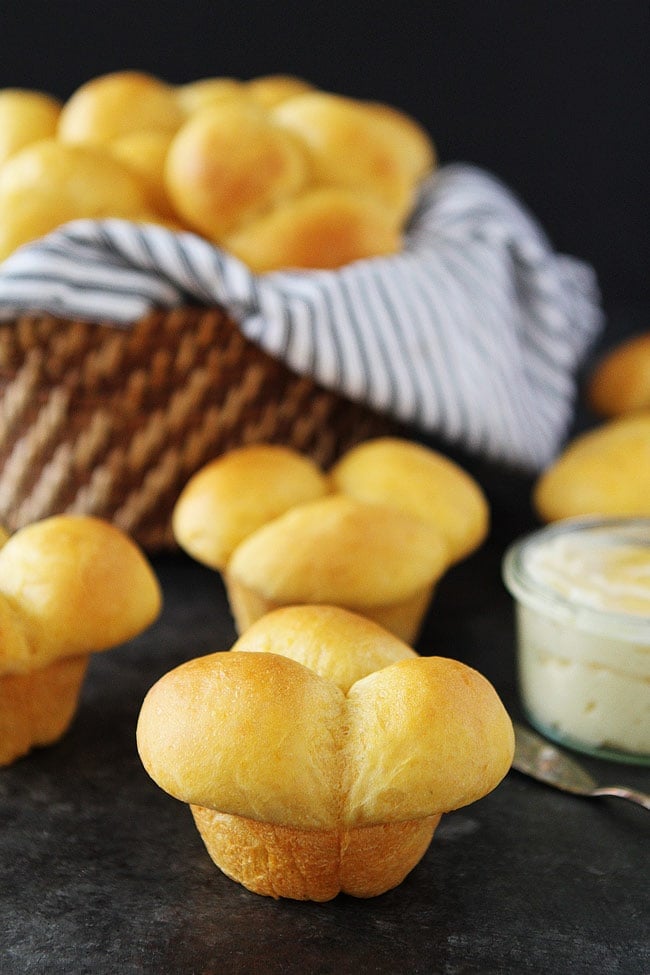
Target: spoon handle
{"x": 640, "y": 798}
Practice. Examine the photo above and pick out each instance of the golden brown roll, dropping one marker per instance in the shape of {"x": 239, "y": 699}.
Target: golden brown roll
{"x": 195, "y": 95}
{"x": 69, "y": 586}
{"x": 620, "y": 382}
{"x": 145, "y": 154}
{"x": 234, "y": 495}
{"x": 313, "y": 636}
{"x": 605, "y": 471}
{"x": 229, "y": 164}
{"x": 25, "y": 117}
{"x": 417, "y": 149}
{"x": 273, "y": 89}
{"x": 421, "y": 481}
{"x": 112, "y": 105}
{"x": 304, "y": 787}
{"x": 48, "y": 183}
{"x": 267, "y": 91}
{"x": 324, "y": 228}
{"x": 374, "y": 535}
{"x": 359, "y": 147}
{"x": 370, "y": 558}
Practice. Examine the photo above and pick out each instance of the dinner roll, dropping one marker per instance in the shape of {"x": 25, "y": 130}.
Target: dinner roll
{"x": 37, "y": 707}
{"x": 373, "y": 535}
{"x": 421, "y": 481}
{"x": 25, "y": 117}
{"x": 371, "y": 558}
{"x": 195, "y": 95}
{"x": 605, "y": 471}
{"x": 620, "y": 382}
{"x": 357, "y": 148}
{"x": 49, "y": 183}
{"x": 322, "y": 228}
{"x": 70, "y": 585}
{"x": 234, "y": 495}
{"x": 417, "y": 150}
{"x": 145, "y": 154}
{"x": 228, "y": 164}
{"x": 314, "y": 636}
{"x": 304, "y": 788}
{"x": 111, "y": 105}
{"x": 273, "y": 89}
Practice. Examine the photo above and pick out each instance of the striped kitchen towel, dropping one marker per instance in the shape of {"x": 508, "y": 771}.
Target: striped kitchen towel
{"x": 473, "y": 332}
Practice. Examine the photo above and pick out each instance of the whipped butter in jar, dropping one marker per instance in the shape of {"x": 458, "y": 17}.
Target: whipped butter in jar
{"x": 582, "y": 595}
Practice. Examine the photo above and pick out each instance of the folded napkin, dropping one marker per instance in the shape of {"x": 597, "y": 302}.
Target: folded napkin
{"x": 472, "y": 333}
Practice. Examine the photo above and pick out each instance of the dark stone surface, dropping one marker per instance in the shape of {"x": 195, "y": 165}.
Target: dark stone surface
{"x": 103, "y": 873}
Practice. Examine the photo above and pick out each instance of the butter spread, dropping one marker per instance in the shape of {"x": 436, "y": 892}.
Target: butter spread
{"x": 607, "y": 570}
{"x": 583, "y": 625}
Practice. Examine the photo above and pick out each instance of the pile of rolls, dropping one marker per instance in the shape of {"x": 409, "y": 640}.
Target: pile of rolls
{"x": 273, "y": 170}
{"x": 605, "y": 470}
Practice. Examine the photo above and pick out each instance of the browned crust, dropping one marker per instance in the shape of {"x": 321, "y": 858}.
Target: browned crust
{"x": 37, "y": 708}
{"x": 283, "y": 861}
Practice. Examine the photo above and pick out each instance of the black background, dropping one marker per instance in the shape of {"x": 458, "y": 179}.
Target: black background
{"x": 551, "y": 96}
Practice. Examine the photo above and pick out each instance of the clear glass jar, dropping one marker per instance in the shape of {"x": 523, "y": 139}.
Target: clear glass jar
{"x": 582, "y": 597}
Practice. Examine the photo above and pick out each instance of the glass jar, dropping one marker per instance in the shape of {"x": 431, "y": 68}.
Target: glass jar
{"x": 582, "y": 597}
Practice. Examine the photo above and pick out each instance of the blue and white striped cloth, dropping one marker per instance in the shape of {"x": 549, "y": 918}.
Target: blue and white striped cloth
{"x": 472, "y": 333}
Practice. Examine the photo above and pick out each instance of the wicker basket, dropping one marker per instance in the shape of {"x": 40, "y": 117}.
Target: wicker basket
{"x": 113, "y": 422}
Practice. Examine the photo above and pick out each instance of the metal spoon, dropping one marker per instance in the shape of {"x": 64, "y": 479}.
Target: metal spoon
{"x": 536, "y": 757}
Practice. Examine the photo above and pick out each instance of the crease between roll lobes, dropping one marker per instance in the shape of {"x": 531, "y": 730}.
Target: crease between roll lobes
{"x": 319, "y": 754}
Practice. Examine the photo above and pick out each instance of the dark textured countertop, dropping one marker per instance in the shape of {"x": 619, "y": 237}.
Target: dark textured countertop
{"x": 103, "y": 873}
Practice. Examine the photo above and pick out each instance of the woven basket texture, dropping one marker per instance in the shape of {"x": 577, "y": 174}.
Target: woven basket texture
{"x": 112, "y": 422}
